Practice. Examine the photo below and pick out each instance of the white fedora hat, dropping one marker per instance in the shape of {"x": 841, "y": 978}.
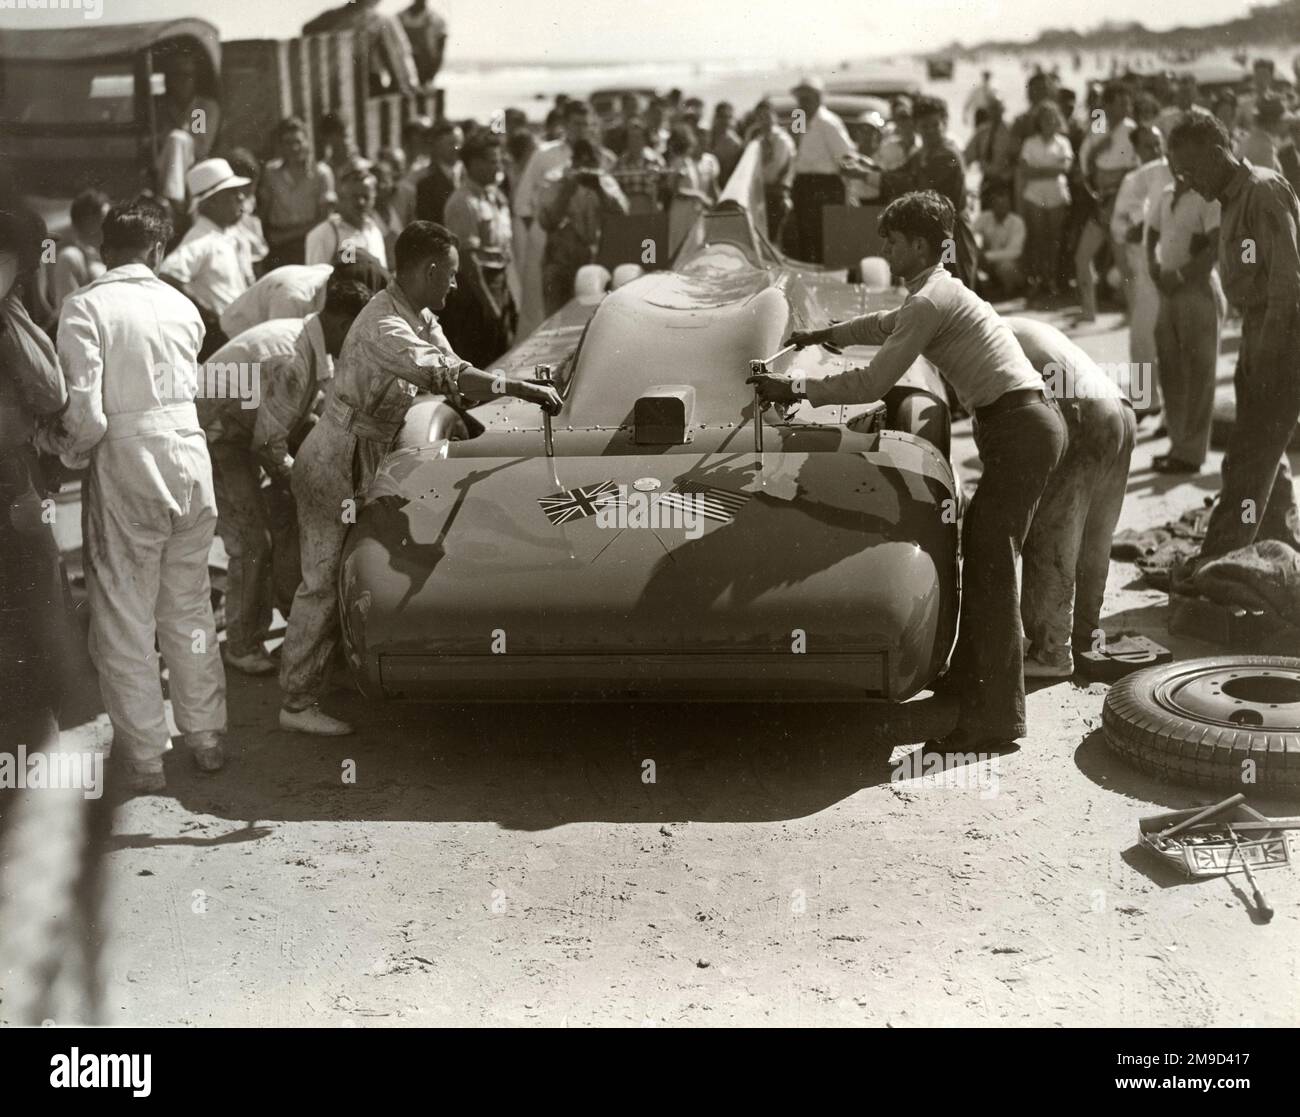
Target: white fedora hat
{"x": 211, "y": 177}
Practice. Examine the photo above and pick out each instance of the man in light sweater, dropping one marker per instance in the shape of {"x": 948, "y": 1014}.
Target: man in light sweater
{"x": 1018, "y": 430}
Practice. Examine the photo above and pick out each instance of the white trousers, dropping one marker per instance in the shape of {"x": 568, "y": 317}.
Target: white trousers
{"x": 532, "y": 309}
{"x": 148, "y": 516}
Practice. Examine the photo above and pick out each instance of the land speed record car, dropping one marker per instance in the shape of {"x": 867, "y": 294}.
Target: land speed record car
{"x": 673, "y": 544}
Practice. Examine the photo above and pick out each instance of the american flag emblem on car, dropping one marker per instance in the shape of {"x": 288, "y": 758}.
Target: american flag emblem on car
{"x": 706, "y": 500}
{"x": 576, "y": 504}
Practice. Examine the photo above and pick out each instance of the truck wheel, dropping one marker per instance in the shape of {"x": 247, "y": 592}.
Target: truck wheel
{"x": 1225, "y": 721}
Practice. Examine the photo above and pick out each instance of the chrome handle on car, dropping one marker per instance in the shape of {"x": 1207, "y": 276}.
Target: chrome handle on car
{"x": 776, "y": 365}
{"x": 542, "y": 374}
{"x": 779, "y": 361}
{"x": 758, "y": 368}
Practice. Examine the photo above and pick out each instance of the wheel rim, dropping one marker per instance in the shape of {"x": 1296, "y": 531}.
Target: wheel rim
{"x": 1266, "y": 699}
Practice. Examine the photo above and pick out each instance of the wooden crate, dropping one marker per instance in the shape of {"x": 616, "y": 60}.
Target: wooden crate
{"x": 265, "y": 81}
{"x": 257, "y": 94}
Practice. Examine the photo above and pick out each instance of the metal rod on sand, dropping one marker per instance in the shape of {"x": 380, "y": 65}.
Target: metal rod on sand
{"x": 1261, "y": 904}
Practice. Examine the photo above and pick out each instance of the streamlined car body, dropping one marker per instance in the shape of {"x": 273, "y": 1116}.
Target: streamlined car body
{"x": 675, "y": 545}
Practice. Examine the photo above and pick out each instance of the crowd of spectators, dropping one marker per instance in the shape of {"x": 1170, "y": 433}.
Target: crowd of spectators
{"x": 1083, "y": 182}
{"x": 1053, "y": 205}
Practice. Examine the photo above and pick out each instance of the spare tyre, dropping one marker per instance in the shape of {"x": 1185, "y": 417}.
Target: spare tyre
{"x": 1224, "y": 721}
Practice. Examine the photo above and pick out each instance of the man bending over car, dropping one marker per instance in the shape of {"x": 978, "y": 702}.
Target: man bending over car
{"x": 1018, "y": 430}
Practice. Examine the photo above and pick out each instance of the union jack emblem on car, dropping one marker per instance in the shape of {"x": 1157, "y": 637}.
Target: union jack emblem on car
{"x": 579, "y": 503}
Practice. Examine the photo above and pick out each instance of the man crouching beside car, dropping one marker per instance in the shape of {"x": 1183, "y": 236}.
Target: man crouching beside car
{"x": 1019, "y": 433}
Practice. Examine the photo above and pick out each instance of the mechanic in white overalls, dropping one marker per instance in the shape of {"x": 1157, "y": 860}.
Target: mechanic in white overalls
{"x": 129, "y": 344}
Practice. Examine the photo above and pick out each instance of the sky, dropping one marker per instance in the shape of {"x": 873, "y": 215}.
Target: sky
{"x": 653, "y": 30}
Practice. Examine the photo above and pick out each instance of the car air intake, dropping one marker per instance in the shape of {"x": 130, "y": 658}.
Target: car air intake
{"x": 663, "y": 416}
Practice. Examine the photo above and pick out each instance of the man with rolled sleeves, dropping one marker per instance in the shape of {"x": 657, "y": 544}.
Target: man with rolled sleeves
{"x": 394, "y": 349}
{"x": 1259, "y": 265}
{"x": 1018, "y": 430}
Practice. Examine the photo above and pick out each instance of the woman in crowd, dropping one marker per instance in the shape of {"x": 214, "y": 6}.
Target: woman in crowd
{"x": 1045, "y": 159}
{"x": 778, "y": 153}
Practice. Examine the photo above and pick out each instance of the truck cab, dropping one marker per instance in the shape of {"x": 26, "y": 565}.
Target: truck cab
{"x": 77, "y": 106}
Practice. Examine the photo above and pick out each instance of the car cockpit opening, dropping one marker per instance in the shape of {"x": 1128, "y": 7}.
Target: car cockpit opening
{"x": 663, "y": 415}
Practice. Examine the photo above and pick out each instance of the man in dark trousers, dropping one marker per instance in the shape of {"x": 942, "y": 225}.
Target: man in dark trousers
{"x": 822, "y": 142}
{"x": 1018, "y": 430}
{"x": 479, "y": 316}
{"x": 1259, "y": 263}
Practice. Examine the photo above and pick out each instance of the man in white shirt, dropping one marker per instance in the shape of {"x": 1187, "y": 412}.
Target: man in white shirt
{"x": 547, "y": 164}
{"x": 129, "y": 347}
{"x": 1139, "y": 192}
{"x": 289, "y": 291}
{"x": 1001, "y": 236}
{"x": 823, "y": 144}
{"x": 981, "y": 97}
{"x": 296, "y": 290}
{"x": 213, "y": 264}
{"x": 354, "y": 228}
{"x": 1019, "y": 433}
{"x": 1182, "y": 248}
{"x": 286, "y": 363}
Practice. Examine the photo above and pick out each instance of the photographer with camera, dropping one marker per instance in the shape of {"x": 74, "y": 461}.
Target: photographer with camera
{"x": 575, "y": 202}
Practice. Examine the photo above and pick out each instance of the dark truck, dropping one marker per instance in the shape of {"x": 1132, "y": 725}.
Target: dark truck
{"x": 77, "y": 106}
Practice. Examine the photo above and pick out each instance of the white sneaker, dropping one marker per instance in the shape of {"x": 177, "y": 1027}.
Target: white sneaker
{"x": 254, "y": 663}
{"x": 313, "y": 720}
